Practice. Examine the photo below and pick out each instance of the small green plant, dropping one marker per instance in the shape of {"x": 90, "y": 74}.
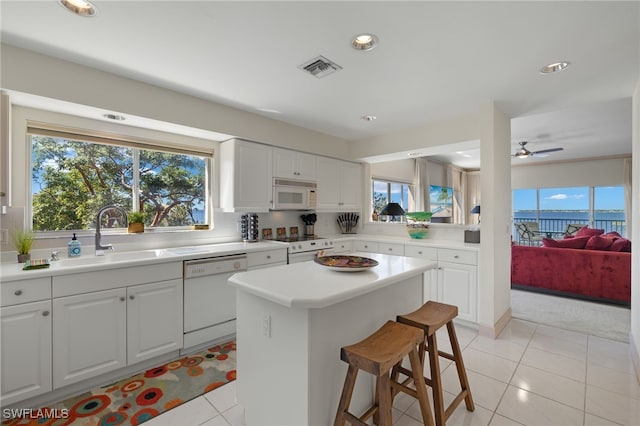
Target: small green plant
{"x": 23, "y": 240}
{"x": 135, "y": 217}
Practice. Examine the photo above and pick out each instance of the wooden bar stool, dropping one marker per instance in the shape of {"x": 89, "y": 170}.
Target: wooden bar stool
{"x": 377, "y": 354}
{"x": 429, "y": 318}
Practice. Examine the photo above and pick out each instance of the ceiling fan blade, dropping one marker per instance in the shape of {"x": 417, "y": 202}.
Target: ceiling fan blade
{"x": 544, "y": 151}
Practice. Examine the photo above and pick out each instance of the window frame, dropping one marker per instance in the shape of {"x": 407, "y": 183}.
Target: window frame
{"x": 115, "y": 139}
{"x": 410, "y": 189}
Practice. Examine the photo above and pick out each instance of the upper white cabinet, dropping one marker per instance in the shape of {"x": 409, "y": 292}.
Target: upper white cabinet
{"x": 294, "y": 165}
{"x": 246, "y": 174}
{"x": 339, "y": 185}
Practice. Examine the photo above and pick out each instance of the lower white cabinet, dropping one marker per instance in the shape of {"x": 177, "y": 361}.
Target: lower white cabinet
{"x": 454, "y": 281}
{"x": 26, "y": 350}
{"x": 99, "y": 332}
{"x": 154, "y": 319}
{"x": 89, "y": 335}
{"x": 458, "y": 285}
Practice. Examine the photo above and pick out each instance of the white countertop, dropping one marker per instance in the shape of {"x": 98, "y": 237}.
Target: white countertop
{"x": 310, "y": 285}
{"x": 425, "y": 242}
{"x": 13, "y": 271}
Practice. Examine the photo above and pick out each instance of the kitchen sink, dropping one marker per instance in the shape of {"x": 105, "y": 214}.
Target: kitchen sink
{"x": 109, "y": 258}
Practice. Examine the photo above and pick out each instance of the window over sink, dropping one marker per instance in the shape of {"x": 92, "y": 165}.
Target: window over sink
{"x": 73, "y": 174}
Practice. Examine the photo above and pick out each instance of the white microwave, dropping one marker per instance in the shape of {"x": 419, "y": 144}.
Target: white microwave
{"x": 294, "y": 194}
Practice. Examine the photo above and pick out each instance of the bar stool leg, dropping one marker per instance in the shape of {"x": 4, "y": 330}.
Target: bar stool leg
{"x": 436, "y": 383}
{"x": 347, "y": 393}
{"x": 383, "y": 400}
{"x": 462, "y": 374}
{"x": 421, "y": 388}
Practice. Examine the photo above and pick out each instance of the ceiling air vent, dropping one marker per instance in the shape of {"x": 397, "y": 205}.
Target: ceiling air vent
{"x": 320, "y": 67}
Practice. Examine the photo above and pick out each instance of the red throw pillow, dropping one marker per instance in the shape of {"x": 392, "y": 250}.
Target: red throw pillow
{"x": 575, "y": 243}
{"x": 598, "y": 242}
{"x": 621, "y": 244}
{"x": 612, "y": 234}
{"x": 588, "y": 232}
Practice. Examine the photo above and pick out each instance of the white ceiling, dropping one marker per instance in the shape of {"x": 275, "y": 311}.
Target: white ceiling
{"x": 435, "y": 60}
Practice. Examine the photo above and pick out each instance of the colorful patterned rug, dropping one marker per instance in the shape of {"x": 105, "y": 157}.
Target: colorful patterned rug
{"x": 141, "y": 397}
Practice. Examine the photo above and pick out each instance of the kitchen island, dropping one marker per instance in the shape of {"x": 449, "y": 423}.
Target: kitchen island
{"x": 292, "y": 321}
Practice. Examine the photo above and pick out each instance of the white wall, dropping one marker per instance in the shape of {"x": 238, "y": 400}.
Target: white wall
{"x": 29, "y": 72}
{"x": 399, "y": 170}
{"x": 603, "y": 172}
{"x": 635, "y": 253}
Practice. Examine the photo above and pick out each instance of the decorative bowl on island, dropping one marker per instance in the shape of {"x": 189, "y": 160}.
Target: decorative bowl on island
{"x": 346, "y": 263}
{"x": 418, "y": 224}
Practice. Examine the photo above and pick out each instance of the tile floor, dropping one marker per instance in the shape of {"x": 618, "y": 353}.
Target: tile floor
{"x": 531, "y": 374}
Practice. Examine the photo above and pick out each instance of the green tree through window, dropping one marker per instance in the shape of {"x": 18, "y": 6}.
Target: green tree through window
{"x": 71, "y": 180}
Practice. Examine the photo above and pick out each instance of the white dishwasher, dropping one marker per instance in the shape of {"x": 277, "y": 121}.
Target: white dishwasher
{"x": 209, "y": 301}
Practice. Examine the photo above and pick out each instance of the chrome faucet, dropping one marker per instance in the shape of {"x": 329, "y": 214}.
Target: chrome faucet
{"x": 99, "y": 247}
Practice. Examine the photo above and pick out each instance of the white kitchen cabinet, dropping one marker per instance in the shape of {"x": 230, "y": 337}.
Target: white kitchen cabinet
{"x": 379, "y": 247}
{"x": 343, "y": 247}
{"x": 391, "y": 248}
{"x": 455, "y": 281}
{"x": 266, "y": 259}
{"x": 154, "y": 319}
{"x": 26, "y": 350}
{"x": 339, "y": 186}
{"x": 363, "y": 245}
{"x": 106, "y": 320}
{"x": 89, "y": 335}
{"x": 458, "y": 285}
{"x": 291, "y": 164}
{"x": 246, "y": 174}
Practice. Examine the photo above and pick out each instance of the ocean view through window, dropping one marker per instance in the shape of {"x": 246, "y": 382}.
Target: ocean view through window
{"x": 555, "y": 208}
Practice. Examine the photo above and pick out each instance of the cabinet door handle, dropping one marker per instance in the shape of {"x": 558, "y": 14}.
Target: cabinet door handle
{"x": 132, "y": 297}
{"x": 419, "y": 252}
{"x": 268, "y": 256}
{"x": 45, "y": 313}
{"x": 122, "y": 299}
{"x": 390, "y": 249}
{"x": 18, "y": 292}
{"x": 456, "y": 256}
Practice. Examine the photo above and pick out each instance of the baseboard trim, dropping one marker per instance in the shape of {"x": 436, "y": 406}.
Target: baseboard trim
{"x": 635, "y": 356}
{"x": 495, "y": 330}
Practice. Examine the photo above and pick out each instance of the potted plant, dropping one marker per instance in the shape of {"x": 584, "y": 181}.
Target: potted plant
{"x": 23, "y": 240}
{"x": 136, "y": 222}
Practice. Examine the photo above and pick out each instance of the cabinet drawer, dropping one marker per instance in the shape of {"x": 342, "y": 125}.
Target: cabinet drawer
{"x": 429, "y": 253}
{"x": 365, "y": 246}
{"x": 391, "y": 248}
{"x": 343, "y": 247}
{"x": 266, "y": 257}
{"x": 24, "y": 291}
{"x": 457, "y": 256}
{"x": 87, "y": 282}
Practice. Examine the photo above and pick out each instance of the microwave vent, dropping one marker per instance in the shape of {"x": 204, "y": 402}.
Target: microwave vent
{"x": 320, "y": 67}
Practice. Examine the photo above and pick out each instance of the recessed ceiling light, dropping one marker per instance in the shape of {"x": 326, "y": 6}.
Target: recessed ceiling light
{"x": 79, "y": 7}
{"x": 115, "y": 117}
{"x": 555, "y": 67}
{"x": 368, "y": 117}
{"x": 364, "y": 42}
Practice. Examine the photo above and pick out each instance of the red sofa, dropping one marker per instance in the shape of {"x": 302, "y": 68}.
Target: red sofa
{"x": 587, "y": 274}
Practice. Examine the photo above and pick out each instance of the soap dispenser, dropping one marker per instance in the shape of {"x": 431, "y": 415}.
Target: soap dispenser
{"x": 74, "y": 247}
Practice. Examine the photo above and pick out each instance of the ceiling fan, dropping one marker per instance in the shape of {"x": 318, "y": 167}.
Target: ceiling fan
{"x": 523, "y": 152}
